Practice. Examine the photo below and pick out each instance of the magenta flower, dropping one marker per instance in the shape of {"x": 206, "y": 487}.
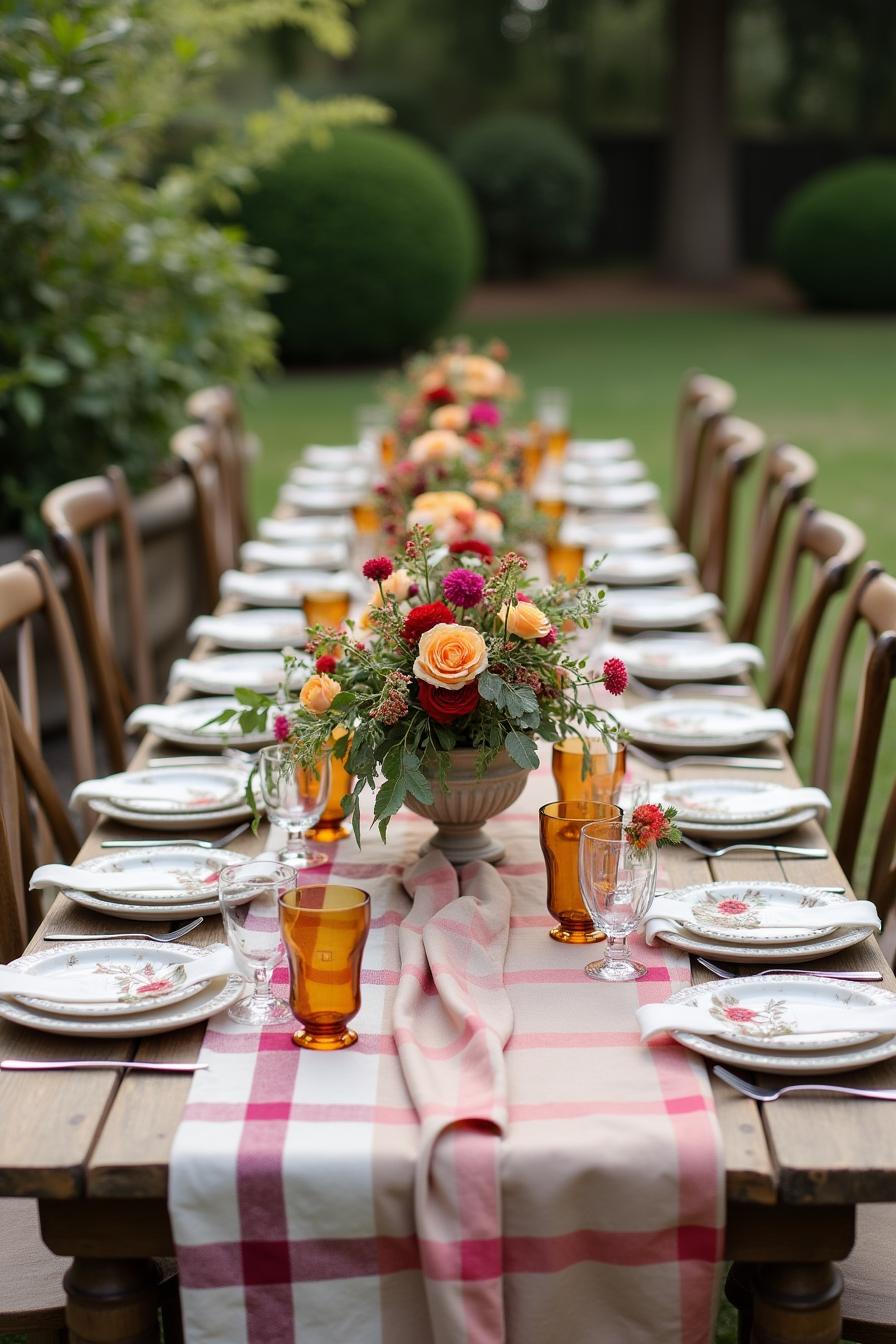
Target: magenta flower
{"x": 485, "y": 413}
{"x": 281, "y": 728}
{"x": 377, "y": 569}
{"x": 615, "y": 676}
{"x": 463, "y": 588}
{"x": 550, "y": 638}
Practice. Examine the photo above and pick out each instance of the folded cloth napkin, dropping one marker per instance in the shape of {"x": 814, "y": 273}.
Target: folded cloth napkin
{"x": 81, "y": 879}
{"x": 603, "y": 450}
{"x": 116, "y": 986}
{"x": 146, "y": 716}
{"x": 268, "y": 675}
{"x": 784, "y": 799}
{"x": 290, "y": 626}
{"x": 315, "y": 528}
{"x": 127, "y": 788}
{"x": 767, "y": 720}
{"x": 761, "y": 1023}
{"x": 666, "y": 912}
{"x": 452, "y": 1019}
{"x": 295, "y": 555}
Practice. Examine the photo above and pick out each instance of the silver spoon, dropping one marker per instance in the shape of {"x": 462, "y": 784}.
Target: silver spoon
{"x": 757, "y": 1093}
{"x": 224, "y": 841}
{"x": 171, "y": 937}
{"x": 788, "y": 851}
{"x": 725, "y": 974}
{"x": 158, "y": 1066}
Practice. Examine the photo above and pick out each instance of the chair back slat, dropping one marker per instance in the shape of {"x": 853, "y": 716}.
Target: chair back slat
{"x": 701, "y": 398}
{"x": 787, "y": 475}
{"x": 732, "y": 445}
{"x": 832, "y": 546}
{"x": 201, "y": 455}
{"x": 870, "y": 604}
{"x": 218, "y": 409}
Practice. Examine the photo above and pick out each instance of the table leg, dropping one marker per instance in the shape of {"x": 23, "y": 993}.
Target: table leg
{"x": 739, "y": 1292}
{"x": 112, "y": 1301}
{"x": 796, "y": 1303}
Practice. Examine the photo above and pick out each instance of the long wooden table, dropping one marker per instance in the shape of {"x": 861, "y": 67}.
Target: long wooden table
{"x": 93, "y": 1148}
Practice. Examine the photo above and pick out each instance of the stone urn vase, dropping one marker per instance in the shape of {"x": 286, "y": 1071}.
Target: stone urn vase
{"x": 461, "y": 810}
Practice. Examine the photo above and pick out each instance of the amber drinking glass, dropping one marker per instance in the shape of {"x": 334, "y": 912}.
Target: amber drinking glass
{"x": 552, "y": 507}
{"x": 552, "y": 414}
{"x": 560, "y": 825}
{"x": 332, "y": 822}
{"x": 328, "y": 609}
{"x": 366, "y": 516}
{"x": 603, "y": 772}
{"x": 324, "y": 930}
{"x": 564, "y": 561}
{"x": 532, "y": 452}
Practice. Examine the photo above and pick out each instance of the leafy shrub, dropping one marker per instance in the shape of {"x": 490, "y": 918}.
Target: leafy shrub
{"x": 835, "y": 238}
{"x": 377, "y": 240}
{"x": 537, "y": 189}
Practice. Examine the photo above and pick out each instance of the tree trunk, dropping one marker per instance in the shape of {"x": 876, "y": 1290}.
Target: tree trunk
{"x": 698, "y": 233}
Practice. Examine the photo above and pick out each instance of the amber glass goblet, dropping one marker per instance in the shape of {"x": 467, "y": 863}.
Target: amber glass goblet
{"x": 553, "y": 508}
{"x": 324, "y": 931}
{"x": 564, "y": 561}
{"x": 332, "y": 821}
{"x": 388, "y": 448}
{"x": 603, "y": 772}
{"x": 366, "y": 516}
{"x": 560, "y": 825}
{"x": 532, "y": 452}
{"x": 325, "y": 608}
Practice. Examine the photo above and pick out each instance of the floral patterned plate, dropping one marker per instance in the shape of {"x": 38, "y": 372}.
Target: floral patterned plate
{"x": 193, "y": 873}
{"x": 809, "y": 946}
{"x": 253, "y": 628}
{"x": 671, "y": 658}
{"x": 754, "y": 1015}
{"x": 729, "y": 912}
{"x": 702, "y": 725}
{"x": 222, "y": 673}
{"x": 178, "y": 791}
{"x": 657, "y": 609}
{"x": 725, "y": 801}
{"x": 219, "y": 994}
{"x": 143, "y": 978}
{"x": 295, "y": 555}
{"x": 279, "y": 587}
{"x": 623, "y": 568}
{"x": 752, "y": 830}
{"x": 188, "y": 723}
{"x": 304, "y": 529}
{"x": 603, "y": 532}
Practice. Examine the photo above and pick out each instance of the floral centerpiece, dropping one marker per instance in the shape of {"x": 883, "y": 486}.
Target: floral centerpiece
{"x": 452, "y": 386}
{"x": 458, "y": 664}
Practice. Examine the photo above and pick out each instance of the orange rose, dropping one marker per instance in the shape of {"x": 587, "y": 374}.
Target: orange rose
{"x": 479, "y": 376}
{"x": 318, "y": 693}
{"x": 436, "y": 445}
{"x": 450, "y": 417}
{"x": 487, "y": 526}
{"x": 397, "y": 585}
{"x": 450, "y": 656}
{"x": 488, "y": 491}
{"x": 525, "y": 620}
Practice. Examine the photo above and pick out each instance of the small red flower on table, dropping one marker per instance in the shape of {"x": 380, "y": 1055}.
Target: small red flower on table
{"x": 615, "y": 676}
{"x": 652, "y": 825}
{"x": 378, "y": 568}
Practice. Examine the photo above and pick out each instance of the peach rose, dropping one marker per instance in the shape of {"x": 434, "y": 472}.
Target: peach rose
{"x": 525, "y": 620}
{"x": 480, "y": 377}
{"x": 318, "y": 693}
{"x": 436, "y": 445}
{"x": 487, "y": 491}
{"x": 487, "y": 526}
{"x": 450, "y": 417}
{"x": 398, "y": 585}
{"x": 450, "y": 656}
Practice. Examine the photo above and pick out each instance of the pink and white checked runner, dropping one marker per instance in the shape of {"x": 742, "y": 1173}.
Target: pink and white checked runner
{"x": 498, "y": 1158}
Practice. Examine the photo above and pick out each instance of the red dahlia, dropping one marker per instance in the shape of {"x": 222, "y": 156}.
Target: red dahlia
{"x": 440, "y": 394}
{"x": 443, "y": 705}
{"x": 325, "y": 663}
{"x": 473, "y": 547}
{"x": 615, "y": 676}
{"x": 378, "y": 569}
{"x": 421, "y": 619}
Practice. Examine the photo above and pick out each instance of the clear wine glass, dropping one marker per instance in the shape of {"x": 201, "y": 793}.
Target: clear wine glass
{"x": 294, "y": 797}
{"x": 249, "y": 894}
{"x": 617, "y": 882}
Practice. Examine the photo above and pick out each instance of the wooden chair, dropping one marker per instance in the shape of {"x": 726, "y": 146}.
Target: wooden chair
{"x": 218, "y": 409}
{"x": 871, "y": 603}
{"x": 786, "y": 476}
{"x": 204, "y": 459}
{"x": 831, "y": 546}
{"x": 731, "y": 445}
{"x": 701, "y": 398}
{"x": 94, "y": 507}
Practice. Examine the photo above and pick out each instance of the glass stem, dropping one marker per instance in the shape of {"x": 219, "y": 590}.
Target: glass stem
{"x": 262, "y": 986}
{"x": 617, "y": 949}
{"x": 296, "y": 839}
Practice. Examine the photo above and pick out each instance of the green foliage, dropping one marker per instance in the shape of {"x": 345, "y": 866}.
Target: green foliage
{"x": 377, "y": 239}
{"x": 119, "y": 298}
{"x": 537, "y": 189}
{"x": 836, "y": 237}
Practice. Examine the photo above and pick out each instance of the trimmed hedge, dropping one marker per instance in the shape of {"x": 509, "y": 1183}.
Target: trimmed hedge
{"x": 537, "y": 187}
{"x": 835, "y": 238}
{"x": 377, "y": 240}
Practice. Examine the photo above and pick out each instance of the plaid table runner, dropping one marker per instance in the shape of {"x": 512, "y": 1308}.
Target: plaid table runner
{"x": 341, "y": 1197}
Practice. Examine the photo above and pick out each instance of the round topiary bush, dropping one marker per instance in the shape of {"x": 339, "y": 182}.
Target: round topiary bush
{"x": 537, "y": 188}
{"x": 377, "y": 240}
{"x": 835, "y": 238}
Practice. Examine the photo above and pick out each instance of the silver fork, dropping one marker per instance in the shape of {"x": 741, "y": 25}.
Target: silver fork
{"x": 787, "y": 851}
{"x": 224, "y": 841}
{"x": 159, "y": 1066}
{"x": 758, "y": 1093}
{"x": 171, "y": 937}
{"x": 684, "y": 688}
{"x": 725, "y": 973}
{"x": 736, "y": 762}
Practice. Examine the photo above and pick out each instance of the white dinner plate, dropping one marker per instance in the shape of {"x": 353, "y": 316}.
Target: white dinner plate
{"x": 193, "y": 872}
{"x": 319, "y": 501}
{"x": 603, "y": 533}
{"x": 766, "y": 1051}
{"x": 357, "y": 477}
{"x": 252, "y": 628}
{"x": 625, "y": 568}
{"x": 188, "y": 724}
{"x": 727, "y": 801}
{"x": 219, "y": 994}
{"x": 222, "y": 673}
{"x": 659, "y": 609}
{"x": 677, "y": 658}
{"x": 603, "y": 473}
{"x": 726, "y": 912}
{"x": 329, "y": 457}
{"x": 702, "y": 725}
{"x": 753, "y": 830}
{"x": 612, "y": 498}
{"x": 296, "y": 555}
{"x": 599, "y": 450}
{"x": 176, "y": 798}
{"x": 302, "y": 530}
{"x": 280, "y": 587}
{"x": 143, "y": 976}
{"x": 809, "y": 948}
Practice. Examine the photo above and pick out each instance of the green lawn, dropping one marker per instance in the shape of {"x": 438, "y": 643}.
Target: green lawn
{"x": 825, "y": 383}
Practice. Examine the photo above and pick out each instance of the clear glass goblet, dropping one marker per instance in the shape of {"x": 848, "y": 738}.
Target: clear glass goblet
{"x": 294, "y": 798}
{"x": 249, "y": 894}
{"x": 617, "y": 881}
